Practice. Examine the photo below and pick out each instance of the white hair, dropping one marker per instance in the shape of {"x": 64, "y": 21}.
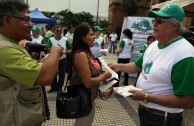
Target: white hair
{"x": 174, "y": 21}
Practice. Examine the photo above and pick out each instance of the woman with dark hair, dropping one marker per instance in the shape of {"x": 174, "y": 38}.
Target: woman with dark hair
{"x": 85, "y": 69}
{"x": 124, "y": 52}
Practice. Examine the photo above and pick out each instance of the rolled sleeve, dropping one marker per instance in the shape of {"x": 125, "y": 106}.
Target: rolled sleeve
{"x": 18, "y": 66}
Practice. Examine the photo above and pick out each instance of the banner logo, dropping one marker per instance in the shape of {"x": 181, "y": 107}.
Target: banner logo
{"x": 141, "y": 25}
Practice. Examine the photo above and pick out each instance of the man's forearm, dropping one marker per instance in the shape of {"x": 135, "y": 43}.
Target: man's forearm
{"x": 129, "y": 68}
{"x": 49, "y": 67}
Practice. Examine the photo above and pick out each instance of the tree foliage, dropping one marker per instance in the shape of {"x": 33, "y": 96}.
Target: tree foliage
{"x": 67, "y": 18}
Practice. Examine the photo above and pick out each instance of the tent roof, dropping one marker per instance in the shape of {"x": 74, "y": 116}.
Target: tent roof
{"x": 183, "y": 3}
{"x": 38, "y": 17}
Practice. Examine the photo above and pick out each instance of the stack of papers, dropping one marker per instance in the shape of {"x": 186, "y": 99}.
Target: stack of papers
{"x": 124, "y": 90}
{"x": 104, "y": 50}
{"x": 105, "y": 85}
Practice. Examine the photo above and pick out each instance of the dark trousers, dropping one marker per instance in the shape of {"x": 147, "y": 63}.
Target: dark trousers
{"x": 58, "y": 83}
{"x": 126, "y": 75}
{"x": 148, "y": 118}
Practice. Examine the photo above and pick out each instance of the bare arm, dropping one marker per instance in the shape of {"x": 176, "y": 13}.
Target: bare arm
{"x": 127, "y": 68}
{"x": 171, "y": 100}
{"x": 82, "y": 65}
{"x": 49, "y": 67}
{"x": 119, "y": 50}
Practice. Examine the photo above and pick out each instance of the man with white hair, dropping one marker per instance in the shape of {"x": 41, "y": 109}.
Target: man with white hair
{"x": 167, "y": 71}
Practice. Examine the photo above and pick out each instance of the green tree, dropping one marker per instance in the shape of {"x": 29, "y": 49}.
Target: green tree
{"x": 49, "y": 14}
{"x": 86, "y": 17}
{"x": 65, "y": 17}
{"x": 104, "y": 24}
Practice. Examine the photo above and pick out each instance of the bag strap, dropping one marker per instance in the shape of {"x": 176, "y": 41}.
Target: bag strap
{"x": 72, "y": 66}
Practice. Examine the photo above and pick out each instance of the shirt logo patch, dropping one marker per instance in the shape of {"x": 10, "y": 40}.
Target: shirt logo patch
{"x": 147, "y": 67}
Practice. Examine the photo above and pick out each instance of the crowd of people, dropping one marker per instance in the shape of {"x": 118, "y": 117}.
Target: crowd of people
{"x": 165, "y": 66}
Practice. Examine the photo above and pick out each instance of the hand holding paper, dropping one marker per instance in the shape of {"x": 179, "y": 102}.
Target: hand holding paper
{"x": 114, "y": 67}
{"x": 109, "y": 82}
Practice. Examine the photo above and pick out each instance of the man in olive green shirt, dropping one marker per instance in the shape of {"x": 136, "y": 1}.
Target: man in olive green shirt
{"x": 21, "y": 77}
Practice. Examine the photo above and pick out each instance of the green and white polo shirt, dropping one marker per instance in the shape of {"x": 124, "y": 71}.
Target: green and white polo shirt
{"x": 167, "y": 70}
{"x": 126, "y": 44}
{"x": 63, "y": 42}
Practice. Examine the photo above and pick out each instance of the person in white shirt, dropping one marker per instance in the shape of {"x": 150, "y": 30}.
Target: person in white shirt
{"x": 36, "y": 37}
{"x": 113, "y": 39}
{"x": 57, "y": 84}
{"x": 124, "y": 52}
{"x": 98, "y": 43}
{"x": 69, "y": 34}
{"x": 167, "y": 71}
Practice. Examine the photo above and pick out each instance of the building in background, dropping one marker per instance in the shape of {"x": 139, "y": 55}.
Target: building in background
{"x": 117, "y": 13}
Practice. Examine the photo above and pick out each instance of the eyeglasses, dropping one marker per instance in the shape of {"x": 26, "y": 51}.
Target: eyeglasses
{"x": 26, "y": 20}
{"x": 159, "y": 21}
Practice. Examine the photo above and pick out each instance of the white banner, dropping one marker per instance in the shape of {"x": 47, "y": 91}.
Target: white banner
{"x": 142, "y": 28}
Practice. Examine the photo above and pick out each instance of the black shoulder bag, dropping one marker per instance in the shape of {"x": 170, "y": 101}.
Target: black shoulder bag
{"x": 74, "y": 103}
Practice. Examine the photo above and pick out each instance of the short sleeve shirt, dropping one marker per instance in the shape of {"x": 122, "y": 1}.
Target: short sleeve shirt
{"x": 17, "y": 65}
{"x": 167, "y": 69}
{"x": 179, "y": 65}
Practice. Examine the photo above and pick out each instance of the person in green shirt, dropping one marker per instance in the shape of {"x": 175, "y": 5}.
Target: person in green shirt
{"x": 21, "y": 77}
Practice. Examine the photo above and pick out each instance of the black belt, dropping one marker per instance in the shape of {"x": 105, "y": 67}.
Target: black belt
{"x": 156, "y": 111}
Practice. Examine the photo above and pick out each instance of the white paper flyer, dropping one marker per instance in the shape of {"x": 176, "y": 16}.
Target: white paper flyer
{"x": 105, "y": 85}
{"x": 124, "y": 90}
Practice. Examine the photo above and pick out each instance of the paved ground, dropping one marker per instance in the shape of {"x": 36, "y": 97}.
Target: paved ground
{"x": 116, "y": 111}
